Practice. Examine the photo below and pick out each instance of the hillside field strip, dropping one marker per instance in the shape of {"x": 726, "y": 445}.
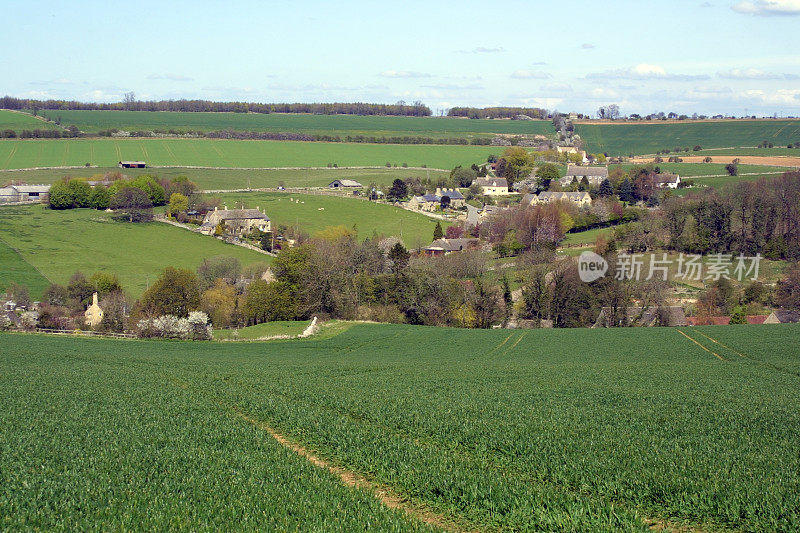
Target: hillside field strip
{"x": 18, "y": 121}
{"x": 312, "y": 213}
{"x": 34, "y": 153}
{"x": 540, "y": 430}
{"x": 228, "y": 179}
{"x": 626, "y": 138}
{"x": 58, "y": 243}
{"x": 14, "y": 269}
{"x": 342, "y": 125}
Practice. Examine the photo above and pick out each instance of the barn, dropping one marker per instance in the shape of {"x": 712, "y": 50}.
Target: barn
{"x": 132, "y": 164}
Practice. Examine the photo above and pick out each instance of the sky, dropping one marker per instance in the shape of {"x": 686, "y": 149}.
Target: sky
{"x": 713, "y": 57}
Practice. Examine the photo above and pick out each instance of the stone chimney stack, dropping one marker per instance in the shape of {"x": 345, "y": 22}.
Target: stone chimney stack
{"x": 94, "y": 299}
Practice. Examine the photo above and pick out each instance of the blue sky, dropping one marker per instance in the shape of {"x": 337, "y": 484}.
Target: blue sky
{"x": 684, "y": 56}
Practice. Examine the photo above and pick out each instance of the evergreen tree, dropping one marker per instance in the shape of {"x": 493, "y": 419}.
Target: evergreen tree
{"x": 437, "y": 231}
{"x": 605, "y": 188}
{"x": 626, "y": 191}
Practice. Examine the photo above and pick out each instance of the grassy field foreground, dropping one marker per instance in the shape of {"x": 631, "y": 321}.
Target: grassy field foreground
{"x": 580, "y": 430}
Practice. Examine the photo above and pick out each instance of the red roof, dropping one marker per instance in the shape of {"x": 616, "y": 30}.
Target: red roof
{"x": 708, "y": 321}
{"x": 756, "y": 319}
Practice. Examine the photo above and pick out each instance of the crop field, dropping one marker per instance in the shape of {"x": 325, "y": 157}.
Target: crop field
{"x": 217, "y": 179}
{"x": 312, "y": 213}
{"x": 13, "y": 120}
{"x": 624, "y": 139}
{"x": 711, "y": 169}
{"x": 580, "y": 430}
{"x": 751, "y": 151}
{"x": 342, "y": 125}
{"x": 58, "y": 243}
{"x": 14, "y": 269}
{"x": 267, "y": 329}
{"x": 32, "y": 153}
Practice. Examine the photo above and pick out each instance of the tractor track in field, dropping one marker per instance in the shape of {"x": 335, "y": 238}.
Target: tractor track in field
{"x": 751, "y": 359}
{"x": 715, "y": 354}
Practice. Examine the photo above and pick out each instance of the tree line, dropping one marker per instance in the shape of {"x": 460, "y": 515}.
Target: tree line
{"x": 496, "y": 112}
{"x": 417, "y": 109}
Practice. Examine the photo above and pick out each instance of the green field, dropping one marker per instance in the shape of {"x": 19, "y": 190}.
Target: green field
{"x": 538, "y": 430}
{"x": 14, "y": 269}
{"x": 267, "y": 329}
{"x": 316, "y": 212}
{"x": 58, "y": 243}
{"x": 342, "y": 125}
{"x": 737, "y": 152}
{"x": 710, "y": 169}
{"x": 31, "y": 153}
{"x": 13, "y": 120}
{"x": 624, "y": 139}
{"x": 215, "y": 179}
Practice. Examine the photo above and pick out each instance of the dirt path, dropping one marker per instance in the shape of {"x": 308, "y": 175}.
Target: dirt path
{"x": 384, "y": 494}
{"x": 777, "y": 160}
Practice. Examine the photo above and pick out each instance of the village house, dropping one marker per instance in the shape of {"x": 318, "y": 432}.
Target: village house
{"x": 783, "y": 316}
{"x": 457, "y": 199}
{"x": 426, "y": 202}
{"x": 131, "y": 164}
{"x": 448, "y": 246}
{"x": 594, "y": 175}
{"x": 236, "y": 222}
{"x": 572, "y": 150}
{"x": 492, "y": 186}
{"x": 93, "y": 313}
{"x": 24, "y": 193}
{"x": 345, "y": 184}
{"x": 580, "y": 199}
{"x": 669, "y": 181}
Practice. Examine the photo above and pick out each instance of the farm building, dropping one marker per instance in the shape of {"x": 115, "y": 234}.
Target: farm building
{"x": 594, "y": 175}
{"x": 24, "y": 193}
{"x": 448, "y": 246}
{"x": 492, "y": 186}
{"x": 667, "y": 181}
{"x": 641, "y": 316}
{"x": 236, "y": 222}
{"x": 131, "y": 164}
{"x": 783, "y": 316}
{"x": 576, "y": 198}
{"x": 345, "y": 184}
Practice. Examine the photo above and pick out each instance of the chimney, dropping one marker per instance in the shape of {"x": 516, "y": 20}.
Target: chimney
{"x": 225, "y": 206}
{"x": 215, "y": 208}
{"x": 438, "y": 191}
{"x": 94, "y": 299}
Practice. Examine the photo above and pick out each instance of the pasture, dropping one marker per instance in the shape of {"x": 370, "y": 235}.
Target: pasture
{"x": 30, "y": 153}
{"x": 342, "y": 125}
{"x": 312, "y": 213}
{"x": 626, "y": 138}
{"x": 14, "y": 269}
{"x": 710, "y": 169}
{"x": 58, "y": 243}
{"x": 579, "y": 430}
{"x": 218, "y": 179}
{"x": 13, "y": 120}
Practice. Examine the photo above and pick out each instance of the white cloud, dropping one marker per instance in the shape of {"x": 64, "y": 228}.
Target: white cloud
{"x": 754, "y": 74}
{"x": 644, "y": 71}
{"x": 768, "y": 7}
{"x": 587, "y": 46}
{"x": 529, "y": 75}
{"x": 455, "y": 87}
{"x": 779, "y": 97}
{"x": 169, "y": 76}
{"x": 484, "y": 50}
{"x": 404, "y": 74}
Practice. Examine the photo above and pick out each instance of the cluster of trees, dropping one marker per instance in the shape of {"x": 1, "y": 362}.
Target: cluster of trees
{"x": 747, "y": 218}
{"x": 132, "y": 198}
{"x": 63, "y": 306}
{"x": 496, "y": 112}
{"x": 130, "y": 103}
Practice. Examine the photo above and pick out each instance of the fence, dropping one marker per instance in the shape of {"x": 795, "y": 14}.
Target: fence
{"x": 81, "y": 333}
